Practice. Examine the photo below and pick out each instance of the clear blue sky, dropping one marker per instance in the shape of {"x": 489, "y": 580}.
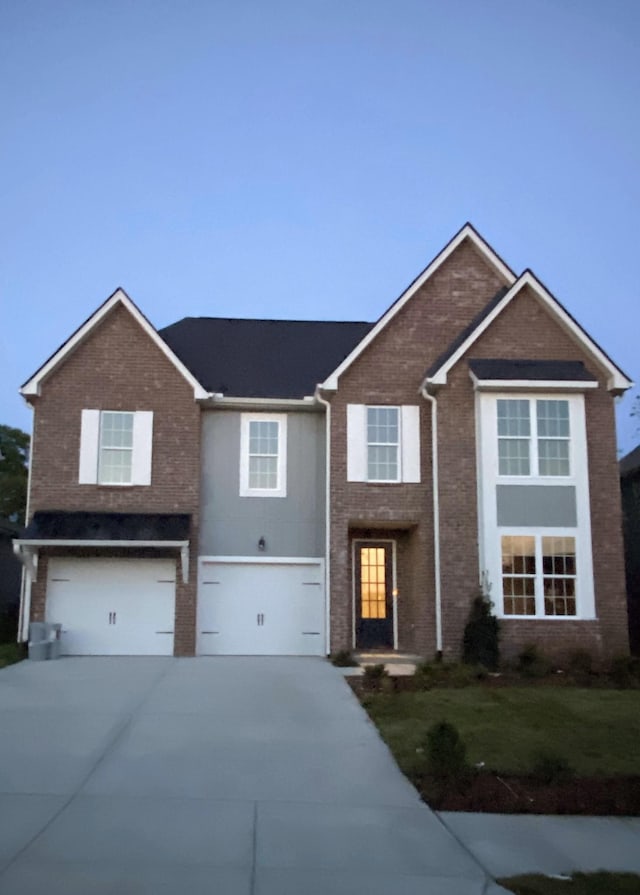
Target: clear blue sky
{"x": 296, "y": 159}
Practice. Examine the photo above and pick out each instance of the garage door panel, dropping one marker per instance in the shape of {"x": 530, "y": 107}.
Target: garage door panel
{"x": 113, "y": 606}
{"x": 261, "y": 609}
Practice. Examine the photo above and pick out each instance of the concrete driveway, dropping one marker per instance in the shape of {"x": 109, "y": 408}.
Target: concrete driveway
{"x": 233, "y": 776}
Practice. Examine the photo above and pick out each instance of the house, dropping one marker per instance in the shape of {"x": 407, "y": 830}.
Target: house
{"x": 291, "y": 487}
{"x": 630, "y": 487}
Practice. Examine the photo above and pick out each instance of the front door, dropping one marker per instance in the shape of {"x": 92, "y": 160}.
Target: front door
{"x": 374, "y": 594}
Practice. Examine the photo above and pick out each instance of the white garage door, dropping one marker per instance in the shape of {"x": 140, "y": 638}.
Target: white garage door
{"x": 113, "y": 607}
{"x": 261, "y": 609}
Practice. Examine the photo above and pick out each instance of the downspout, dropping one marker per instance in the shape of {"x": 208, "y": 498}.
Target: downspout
{"x": 327, "y": 519}
{"x": 436, "y": 515}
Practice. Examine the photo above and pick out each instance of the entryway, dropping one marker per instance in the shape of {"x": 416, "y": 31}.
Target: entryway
{"x": 375, "y": 592}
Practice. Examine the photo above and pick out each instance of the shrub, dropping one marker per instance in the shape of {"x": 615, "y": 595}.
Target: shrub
{"x": 343, "y": 659}
{"x": 9, "y": 624}
{"x": 446, "y": 752}
{"x": 11, "y": 653}
{"x": 447, "y": 674}
{"x": 481, "y": 640}
{"x": 374, "y": 677}
{"x": 550, "y": 767}
{"x": 531, "y": 662}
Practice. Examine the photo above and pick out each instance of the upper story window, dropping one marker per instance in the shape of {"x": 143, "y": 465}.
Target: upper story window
{"x": 116, "y": 447}
{"x": 383, "y": 443}
{"x": 533, "y": 437}
{"x": 263, "y": 453}
{"x": 115, "y": 462}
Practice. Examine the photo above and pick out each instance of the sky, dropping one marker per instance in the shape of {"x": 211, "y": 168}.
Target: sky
{"x": 305, "y": 159}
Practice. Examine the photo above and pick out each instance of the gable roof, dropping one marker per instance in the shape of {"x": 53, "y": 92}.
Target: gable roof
{"x": 436, "y": 375}
{"x": 119, "y": 297}
{"x": 466, "y": 232}
{"x": 262, "y": 358}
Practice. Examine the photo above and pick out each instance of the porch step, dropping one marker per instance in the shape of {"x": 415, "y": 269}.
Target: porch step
{"x": 396, "y": 664}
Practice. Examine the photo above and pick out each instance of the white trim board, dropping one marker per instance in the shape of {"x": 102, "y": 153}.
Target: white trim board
{"x": 467, "y": 232}
{"x": 32, "y": 386}
{"x": 617, "y": 381}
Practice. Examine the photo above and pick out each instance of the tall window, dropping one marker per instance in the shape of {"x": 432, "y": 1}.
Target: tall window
{"x": 115, "y": 462}
{"x": 539, "y": 575}
{"x": 263, "y": 444}
{"x": 533, "y": 437}
{"x": 383, "y": 440}
{"x": 263, "y": 454}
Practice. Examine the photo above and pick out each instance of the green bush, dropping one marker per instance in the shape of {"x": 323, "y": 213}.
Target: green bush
{"x": 374, "y": 677}
{"x": 481, "y": 640}
{"x": 550, "y": 767}
{"x": 10, "y": 653}
{"x": 531, "y": 662}
{"x": 445, "y": 751}
{"x": 9, "y": 624}
{"x": 343, "y": 659}
{"x": 447, "y": 674}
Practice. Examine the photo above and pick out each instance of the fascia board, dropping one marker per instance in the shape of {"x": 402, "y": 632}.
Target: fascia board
{"x": 467, "y": 232}
{"x": 32, "y": 386}
{"x": 577, "y": 385}
{"x": 616, "y": 379}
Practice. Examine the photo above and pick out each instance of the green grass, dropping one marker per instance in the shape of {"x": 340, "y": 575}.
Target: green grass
{"x": 597, "y": 731}
{"x": 11, "y": 653}
{"x": 580, "y": 884}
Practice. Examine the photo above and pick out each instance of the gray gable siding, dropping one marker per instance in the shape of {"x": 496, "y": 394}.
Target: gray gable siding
{"x": 291, "y": 526}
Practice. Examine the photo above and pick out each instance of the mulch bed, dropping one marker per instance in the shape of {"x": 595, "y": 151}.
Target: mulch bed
{"x": 506, "y": 794}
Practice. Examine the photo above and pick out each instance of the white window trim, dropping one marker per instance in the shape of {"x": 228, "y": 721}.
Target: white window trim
{"x": 534, "y": 438}
{"x": 142, "y": 451}
{"x": 409, "y": 452}
{"x": 538, "y": 533}
{"x": 490, "y": 534}
{"x": 281, "y": 489}
{"x": 397, "y": 444}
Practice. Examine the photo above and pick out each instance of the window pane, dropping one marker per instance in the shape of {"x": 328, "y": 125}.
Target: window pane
{"x": 559, "y": 567}
{"x": 263, "y": 437}
{"x": 263, "y": 472}
{"x": 382, "y": 425}
{"x": 553, "y": 456}
{"x": 518, "y": 579}
{"x": 382, "y": 463}
{"x": 553, "y": 419}
{"x": 513, "y": 456}
{"x": 513, "y": 418}
{"x": 115, "y": 467}
{"x": 116, "y": 430}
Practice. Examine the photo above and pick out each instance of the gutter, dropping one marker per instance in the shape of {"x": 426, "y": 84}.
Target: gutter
{"x": 436, "y": 514}
{"x": 327, "y": 521}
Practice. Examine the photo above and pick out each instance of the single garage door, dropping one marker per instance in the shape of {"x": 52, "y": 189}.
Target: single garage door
{"x": 261, "y": 609}
{"x": 113, "y": 607}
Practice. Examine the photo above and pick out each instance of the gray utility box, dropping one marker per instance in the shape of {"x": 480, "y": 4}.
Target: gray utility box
{"x": 44, "y": 641}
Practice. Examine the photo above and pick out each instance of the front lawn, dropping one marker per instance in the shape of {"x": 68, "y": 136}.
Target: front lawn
{"x": 593, "y": 733}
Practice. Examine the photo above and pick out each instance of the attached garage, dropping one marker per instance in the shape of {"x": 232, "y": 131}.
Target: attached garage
{"x": 262, "y": 608}
{"x": 113, "y": 607}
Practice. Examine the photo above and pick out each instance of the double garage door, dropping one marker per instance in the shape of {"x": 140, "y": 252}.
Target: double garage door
{"x": 261, "y": 608}
{"x": 113, "y": 607}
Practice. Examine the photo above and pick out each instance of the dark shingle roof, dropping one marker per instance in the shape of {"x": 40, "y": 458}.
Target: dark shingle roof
{"x": 62, "y": 525}
{"x": 540, "y": 370}
{"x": 630, "y": 463}
{"x": 262, "y": 358}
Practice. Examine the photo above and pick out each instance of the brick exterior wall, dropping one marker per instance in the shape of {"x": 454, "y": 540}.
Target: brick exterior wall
{"x": 118, "y": 367}
{"x": 390, "y": 371}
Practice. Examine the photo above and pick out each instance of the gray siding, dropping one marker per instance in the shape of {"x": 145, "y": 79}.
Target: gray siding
{"x": 291, "y": 526}
{"x": 537, "y": 505}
